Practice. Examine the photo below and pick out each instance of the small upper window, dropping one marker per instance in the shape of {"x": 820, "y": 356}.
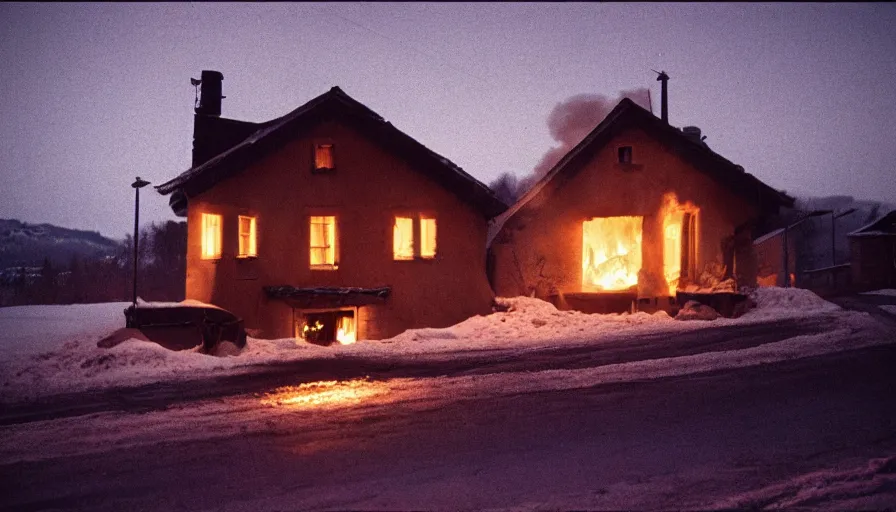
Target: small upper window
{"x": 211, "y": 236}
{"x": 323, "y": 157}
{"x": 625, "y": 155}
{"x": 248, "y": 246}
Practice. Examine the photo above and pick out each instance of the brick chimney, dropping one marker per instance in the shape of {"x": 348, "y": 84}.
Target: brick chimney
{"x": 210, "y": 99}
{"x": 664, "y": 102}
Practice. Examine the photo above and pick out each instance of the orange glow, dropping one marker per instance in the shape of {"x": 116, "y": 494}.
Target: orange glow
{"x": 323, "y": 242}
{"x": 323, "y": 394}
{"x": 248, "y": 246}
{"x": 611, "y": 252}
{"x": 211, "y": 236}
{"x": 323, "y": 156}
{"x": 427, "y": 237}
{"x": 345, "y": 330}
{"x": 403, "y": 238}
{"x": 677, "y": 238}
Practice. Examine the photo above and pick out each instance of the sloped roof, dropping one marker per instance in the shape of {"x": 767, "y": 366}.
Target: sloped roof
{"x": 628, "y": 114}
{"x": 883, "y": 226}
{"x": 334, "y": 103}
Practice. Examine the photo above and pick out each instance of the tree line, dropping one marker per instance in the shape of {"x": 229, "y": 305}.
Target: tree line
{"x": 160, "y": 276}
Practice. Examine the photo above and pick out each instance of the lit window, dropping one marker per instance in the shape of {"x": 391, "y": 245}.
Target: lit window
{"x": 403, "y": 238}
{"x": 625, "y": 155}
{"x": 323, "y": 156}
{"x": 323, "y": 242}
{"x": 211, "y": 236}
{"x": 248, "y": 247}
{"x": 427, "y": 237}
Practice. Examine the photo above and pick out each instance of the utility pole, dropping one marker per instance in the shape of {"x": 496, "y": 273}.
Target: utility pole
{"x": 137, "y": 184}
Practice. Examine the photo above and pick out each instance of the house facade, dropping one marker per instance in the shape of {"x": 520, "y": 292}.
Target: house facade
{"x": 329, "y": 223}
{"x": 637, "y": 211}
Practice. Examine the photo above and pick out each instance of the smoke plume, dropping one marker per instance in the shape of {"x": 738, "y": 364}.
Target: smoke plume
{"x": 571, "y": 120}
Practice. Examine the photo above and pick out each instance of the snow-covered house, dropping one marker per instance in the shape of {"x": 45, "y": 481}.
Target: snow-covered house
{"x": 329, "y": 223}
{"x": 636, "y": 211}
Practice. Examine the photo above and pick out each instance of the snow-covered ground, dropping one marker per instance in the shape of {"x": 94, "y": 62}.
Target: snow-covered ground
{"x": 52, "y": 349}
{"x": 886, "y": 291}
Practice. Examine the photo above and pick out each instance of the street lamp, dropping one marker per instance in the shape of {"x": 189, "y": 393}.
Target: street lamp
{"x": 814, "y": 213}
{"x": 137, "y": 184}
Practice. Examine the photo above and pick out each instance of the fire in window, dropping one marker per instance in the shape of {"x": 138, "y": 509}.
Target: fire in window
{"x": 403, "y": 235}
{"x": 625, "y": 154}
{"x": 211, "y": 236}
{"x": 427, "y": 237}
{"x": 323, "y": 157}
{"x": 248, "y": 247}
{"x": 327, "y": 327}
{"x": 323, "y": 242}
{"x": 611, "y": 253}
{"x": 403, "y": 238}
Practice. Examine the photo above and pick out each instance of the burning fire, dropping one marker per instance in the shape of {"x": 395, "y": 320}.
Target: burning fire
{"x": 324, "y": 393}
{"x": 611, "y": 252}
{"x": 678, "y": 238}
{"x": 345, "y": 330}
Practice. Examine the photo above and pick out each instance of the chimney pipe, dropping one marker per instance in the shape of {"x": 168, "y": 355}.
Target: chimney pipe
{"x": 664, "y": 100}
{"x": 210, "y": 97}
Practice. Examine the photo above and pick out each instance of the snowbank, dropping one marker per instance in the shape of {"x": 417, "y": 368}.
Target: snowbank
{"x": 52, "y": 349}
{"x": 886, "y": 291}
{"x": 780, "y": 303}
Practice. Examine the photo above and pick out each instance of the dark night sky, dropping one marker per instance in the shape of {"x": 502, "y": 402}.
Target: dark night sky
{"x": 95, "y": 94}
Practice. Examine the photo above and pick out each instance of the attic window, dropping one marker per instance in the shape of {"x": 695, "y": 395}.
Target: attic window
{"x": 625, "y": 154}
{"x": 323, "y": 157}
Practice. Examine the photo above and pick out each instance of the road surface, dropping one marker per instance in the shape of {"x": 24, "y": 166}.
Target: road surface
{"x": 683, "y": 442}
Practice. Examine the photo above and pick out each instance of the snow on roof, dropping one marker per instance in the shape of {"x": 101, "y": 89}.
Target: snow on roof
{"x": 867, "y": 230}
{"x": 768, "y": 236}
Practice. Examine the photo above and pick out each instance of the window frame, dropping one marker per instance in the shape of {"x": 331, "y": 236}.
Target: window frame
{"x": 218, "y": 234}
{"x": 315, "y": 146}
{"x": 625, "y": 155}
{"x": 395, "y": 256}
{"x": 334, "y": 248}
{"x": 252, "y": 250}
{"x": 417, "y": 242}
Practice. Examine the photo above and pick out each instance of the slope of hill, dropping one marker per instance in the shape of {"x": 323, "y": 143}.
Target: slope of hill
{"x": 23, "y": 244}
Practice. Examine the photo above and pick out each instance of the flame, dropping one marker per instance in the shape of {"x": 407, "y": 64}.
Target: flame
{"x": 345, "y": 330}
{"x": 324, "y": 394}
{"x": 611, "y": 252}
{"x": 673, "y": 215}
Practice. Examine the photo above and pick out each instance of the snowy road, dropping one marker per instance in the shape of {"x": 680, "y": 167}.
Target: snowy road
{"x": 797, "y": 430}
{"x": 159, "y": 396}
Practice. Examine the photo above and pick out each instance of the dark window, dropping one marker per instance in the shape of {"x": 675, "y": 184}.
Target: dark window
{"x": 625, "y": 155}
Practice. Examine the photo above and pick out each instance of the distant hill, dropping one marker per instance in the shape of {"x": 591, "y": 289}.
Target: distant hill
{"x": 23, "y": 244}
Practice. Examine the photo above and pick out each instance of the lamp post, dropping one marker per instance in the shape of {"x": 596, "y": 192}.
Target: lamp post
{"x": 814, "y": 213}
{"x": 137, "y": 184}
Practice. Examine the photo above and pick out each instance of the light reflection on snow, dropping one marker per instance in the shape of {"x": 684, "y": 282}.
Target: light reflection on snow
{"x": 329, "y": 393}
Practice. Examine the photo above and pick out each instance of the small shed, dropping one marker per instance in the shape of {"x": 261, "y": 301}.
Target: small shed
{"x": 873, "y": 254}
